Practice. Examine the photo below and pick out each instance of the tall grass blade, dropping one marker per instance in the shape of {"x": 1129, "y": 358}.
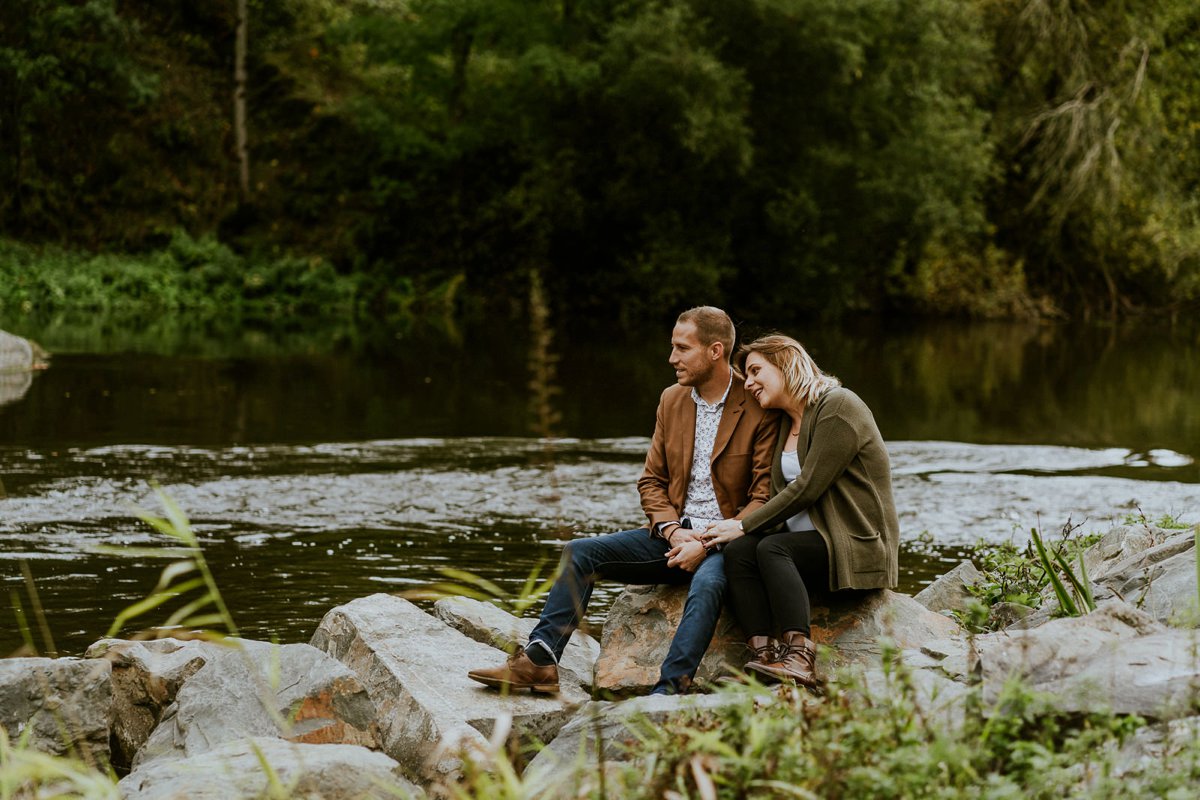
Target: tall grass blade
{"x": 1060, "y": 591}
{"x": 39, "y": 613}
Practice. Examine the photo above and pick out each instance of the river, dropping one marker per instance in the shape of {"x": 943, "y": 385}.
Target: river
{"x": 319, "y": 466}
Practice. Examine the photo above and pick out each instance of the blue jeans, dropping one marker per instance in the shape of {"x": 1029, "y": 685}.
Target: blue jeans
{"x": 634, "y": 557}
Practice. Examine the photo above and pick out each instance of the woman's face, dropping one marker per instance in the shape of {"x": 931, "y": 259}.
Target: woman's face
{"x": 765, "y": 382}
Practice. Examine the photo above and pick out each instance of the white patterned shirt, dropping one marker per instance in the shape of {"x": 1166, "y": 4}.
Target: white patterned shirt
{"x": 701, "y": 506}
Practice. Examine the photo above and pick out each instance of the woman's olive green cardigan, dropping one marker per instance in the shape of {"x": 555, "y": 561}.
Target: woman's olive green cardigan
{"x": 845, "y": 484}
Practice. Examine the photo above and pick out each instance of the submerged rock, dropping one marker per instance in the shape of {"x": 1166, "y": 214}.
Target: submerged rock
{"x": 64, "y": 704}
{"x": 235, "y": 771}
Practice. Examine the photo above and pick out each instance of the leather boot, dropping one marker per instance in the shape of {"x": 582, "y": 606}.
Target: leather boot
{"x": 796, "y": 662}
{"x": 765, "y": 649}
{"x": 519, "y": 672}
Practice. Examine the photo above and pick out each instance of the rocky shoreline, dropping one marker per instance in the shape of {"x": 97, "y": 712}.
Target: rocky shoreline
{"x": 378, "y": 702}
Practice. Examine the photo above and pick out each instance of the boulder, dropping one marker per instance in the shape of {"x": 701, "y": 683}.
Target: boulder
{"x": 571, "y": 764}
{"x": 246, "y": 688}
{"x": 146, "y": 676}
{"x": 415, "y": 668}
{"x": 949, "y": 592}
{"x": 235, "y": 771}
{"x": 1116, "y": 658}
{"x": 18, "y": 353}
{"x": 494, "y": 626}
{"x": 1155, "y": 572}
{"x": 638, "y": 633}
{"x": 67, "y": 702}
{"x": 852, "y": 623}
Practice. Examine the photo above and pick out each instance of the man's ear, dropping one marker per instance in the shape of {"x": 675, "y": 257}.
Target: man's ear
{"x": 716, "y": 351}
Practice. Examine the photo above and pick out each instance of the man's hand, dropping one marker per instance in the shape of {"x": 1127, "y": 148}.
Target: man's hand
{"x": 722, "y": 533}
{"x": 686, "y": 555}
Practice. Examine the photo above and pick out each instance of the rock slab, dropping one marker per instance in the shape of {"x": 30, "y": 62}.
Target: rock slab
{"x": 257, "y": 689}
{"x": 67, "y": 702}
{"x": 415, "y": 668}
{"x": 1116, "y": 658}
{"x": 487, "y": 624}
{"x": 949, "y": 592}
{"x": 235, "y": 771}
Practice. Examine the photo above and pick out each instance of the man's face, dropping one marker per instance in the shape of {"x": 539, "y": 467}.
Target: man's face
{"x": 692, "y": 361}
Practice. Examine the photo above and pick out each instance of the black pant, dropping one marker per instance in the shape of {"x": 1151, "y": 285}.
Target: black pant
{"x": 769, "y": 578}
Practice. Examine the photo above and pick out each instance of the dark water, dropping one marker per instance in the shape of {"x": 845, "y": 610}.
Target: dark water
{"x": 319, "y": 466}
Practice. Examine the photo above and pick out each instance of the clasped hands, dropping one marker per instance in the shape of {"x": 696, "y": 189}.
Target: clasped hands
{"x": 690, "y": 547}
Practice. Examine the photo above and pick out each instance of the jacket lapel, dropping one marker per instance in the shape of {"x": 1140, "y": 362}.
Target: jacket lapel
{"x": 729, "y": 419}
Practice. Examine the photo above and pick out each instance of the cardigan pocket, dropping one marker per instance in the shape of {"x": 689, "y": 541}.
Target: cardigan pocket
{"x": 867, "y": 552}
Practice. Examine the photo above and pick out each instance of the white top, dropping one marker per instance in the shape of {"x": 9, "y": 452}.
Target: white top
{"x": 791, "y": 470}
{"x": 701, "y": 505}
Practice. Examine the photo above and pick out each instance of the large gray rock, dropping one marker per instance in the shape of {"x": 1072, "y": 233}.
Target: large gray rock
{"x": 415, "y": 668}
{"x": 853, "y": 624}
{"x": 604, "y": 733}
{"x": 949, "y": 592}
{"x": 67, "y": 702}
{"x": 247, "y": 688}
{"x": 1116, "y": 658}
{"x": 494, "y": 626}
{"x": 146, "y": 676}
{"x": 638, "y": 633}
{"x": 235, "y": 771}
{"x": 1151, "y": 569}
{"x": 18, "y": 353}
{"x": 18, "y": 358}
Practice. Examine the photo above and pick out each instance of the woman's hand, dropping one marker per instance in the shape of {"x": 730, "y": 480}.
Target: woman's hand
{"x": 722, "y": 533}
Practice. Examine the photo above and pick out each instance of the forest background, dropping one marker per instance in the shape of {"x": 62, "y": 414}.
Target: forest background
{"x": 953, "y": 157}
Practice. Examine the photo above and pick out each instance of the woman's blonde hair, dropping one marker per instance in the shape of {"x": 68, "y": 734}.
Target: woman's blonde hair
{"x": 802, "y": 378}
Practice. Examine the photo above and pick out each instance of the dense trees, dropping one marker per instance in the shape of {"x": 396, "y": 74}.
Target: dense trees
{"x": 950, "y": 156}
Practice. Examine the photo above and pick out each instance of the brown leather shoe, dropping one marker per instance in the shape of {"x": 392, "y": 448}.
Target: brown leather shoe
{"x": 765, "y": 649}
{"x": 519, "y": 672}
{"x": 796, "y": 662}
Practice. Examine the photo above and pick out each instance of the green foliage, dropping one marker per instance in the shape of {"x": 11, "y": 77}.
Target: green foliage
{"x": 780, "y": 157}
{"x": 25, "y": 772}
{"x": 877, "y": 739}
{"x": 199, "y": 276}
{"x": 1021, "y": 575}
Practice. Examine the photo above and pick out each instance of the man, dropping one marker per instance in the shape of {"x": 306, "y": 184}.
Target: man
{"x": 710, "y": 459}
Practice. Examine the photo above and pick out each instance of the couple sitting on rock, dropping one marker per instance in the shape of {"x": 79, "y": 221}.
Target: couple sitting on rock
{"x": 772, "y": 481}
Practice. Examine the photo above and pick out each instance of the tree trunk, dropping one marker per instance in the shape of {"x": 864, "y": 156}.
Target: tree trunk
{"x": 239, "y": 104}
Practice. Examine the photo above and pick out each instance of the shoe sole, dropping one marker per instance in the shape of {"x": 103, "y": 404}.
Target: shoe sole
{"x": 500, "y": 683}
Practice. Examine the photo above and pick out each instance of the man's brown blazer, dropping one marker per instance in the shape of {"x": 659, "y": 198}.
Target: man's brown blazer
{"x": 741, "y": 457}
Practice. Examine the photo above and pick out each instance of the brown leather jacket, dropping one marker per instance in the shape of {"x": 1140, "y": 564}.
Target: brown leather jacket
{"x": 741, "y": 460}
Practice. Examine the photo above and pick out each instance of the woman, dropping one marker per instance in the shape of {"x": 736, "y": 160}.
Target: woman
{"x": 830, "y": 523}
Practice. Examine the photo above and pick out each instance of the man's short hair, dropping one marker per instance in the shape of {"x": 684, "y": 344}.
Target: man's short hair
{"x": 712, "y": 325}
